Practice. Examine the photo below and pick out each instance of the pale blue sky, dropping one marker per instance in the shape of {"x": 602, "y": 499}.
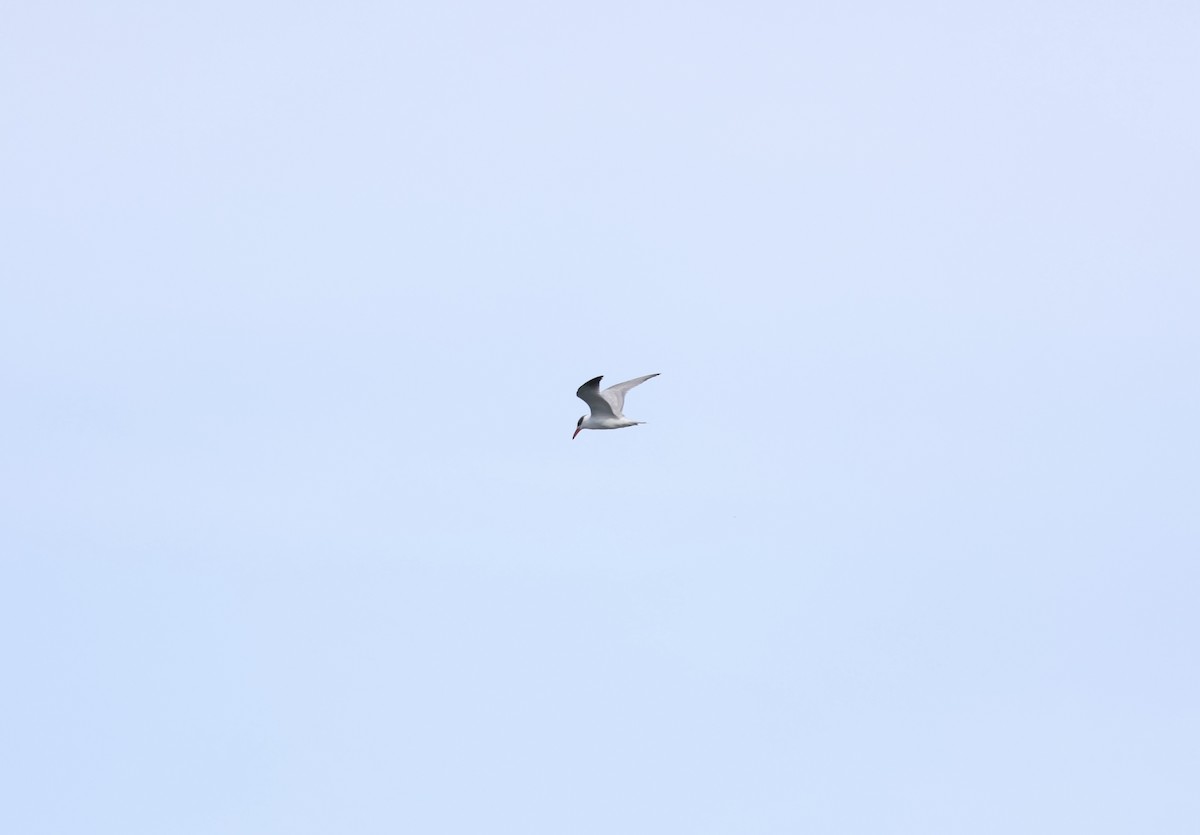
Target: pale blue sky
{"x": 295, "y": 299}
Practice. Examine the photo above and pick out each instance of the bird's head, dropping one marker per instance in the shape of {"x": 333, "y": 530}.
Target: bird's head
{"x": 578, "y": 426}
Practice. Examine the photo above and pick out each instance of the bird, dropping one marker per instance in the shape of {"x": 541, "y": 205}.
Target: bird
{"x": 606, "y": 405}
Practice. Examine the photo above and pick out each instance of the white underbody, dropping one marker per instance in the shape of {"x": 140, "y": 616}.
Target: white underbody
{"x": 593, "y": 422}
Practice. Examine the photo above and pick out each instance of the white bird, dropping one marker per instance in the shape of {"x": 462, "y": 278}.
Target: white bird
{"x": 606, "y": 405}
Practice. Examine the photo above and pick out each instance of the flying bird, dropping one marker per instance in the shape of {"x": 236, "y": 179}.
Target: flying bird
{"x": 606, "y": 405}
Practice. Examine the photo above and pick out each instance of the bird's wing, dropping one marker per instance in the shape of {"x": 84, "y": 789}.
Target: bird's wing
{"x": 615, "y": 395}
{"x": 590, "y": 394}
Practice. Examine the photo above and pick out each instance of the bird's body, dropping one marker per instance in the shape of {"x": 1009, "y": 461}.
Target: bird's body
{"x": 593, "y": 422}
{"x": 607, "y": 405}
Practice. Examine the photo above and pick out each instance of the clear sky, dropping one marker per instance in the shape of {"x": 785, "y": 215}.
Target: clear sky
{"x": 294, "y": 300}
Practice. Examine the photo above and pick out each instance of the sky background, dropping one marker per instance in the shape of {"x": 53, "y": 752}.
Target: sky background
{"x": 294, "y": 300}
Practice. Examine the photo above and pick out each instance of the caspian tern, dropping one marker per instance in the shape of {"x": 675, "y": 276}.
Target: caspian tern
{"x": 606, "y": 405}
